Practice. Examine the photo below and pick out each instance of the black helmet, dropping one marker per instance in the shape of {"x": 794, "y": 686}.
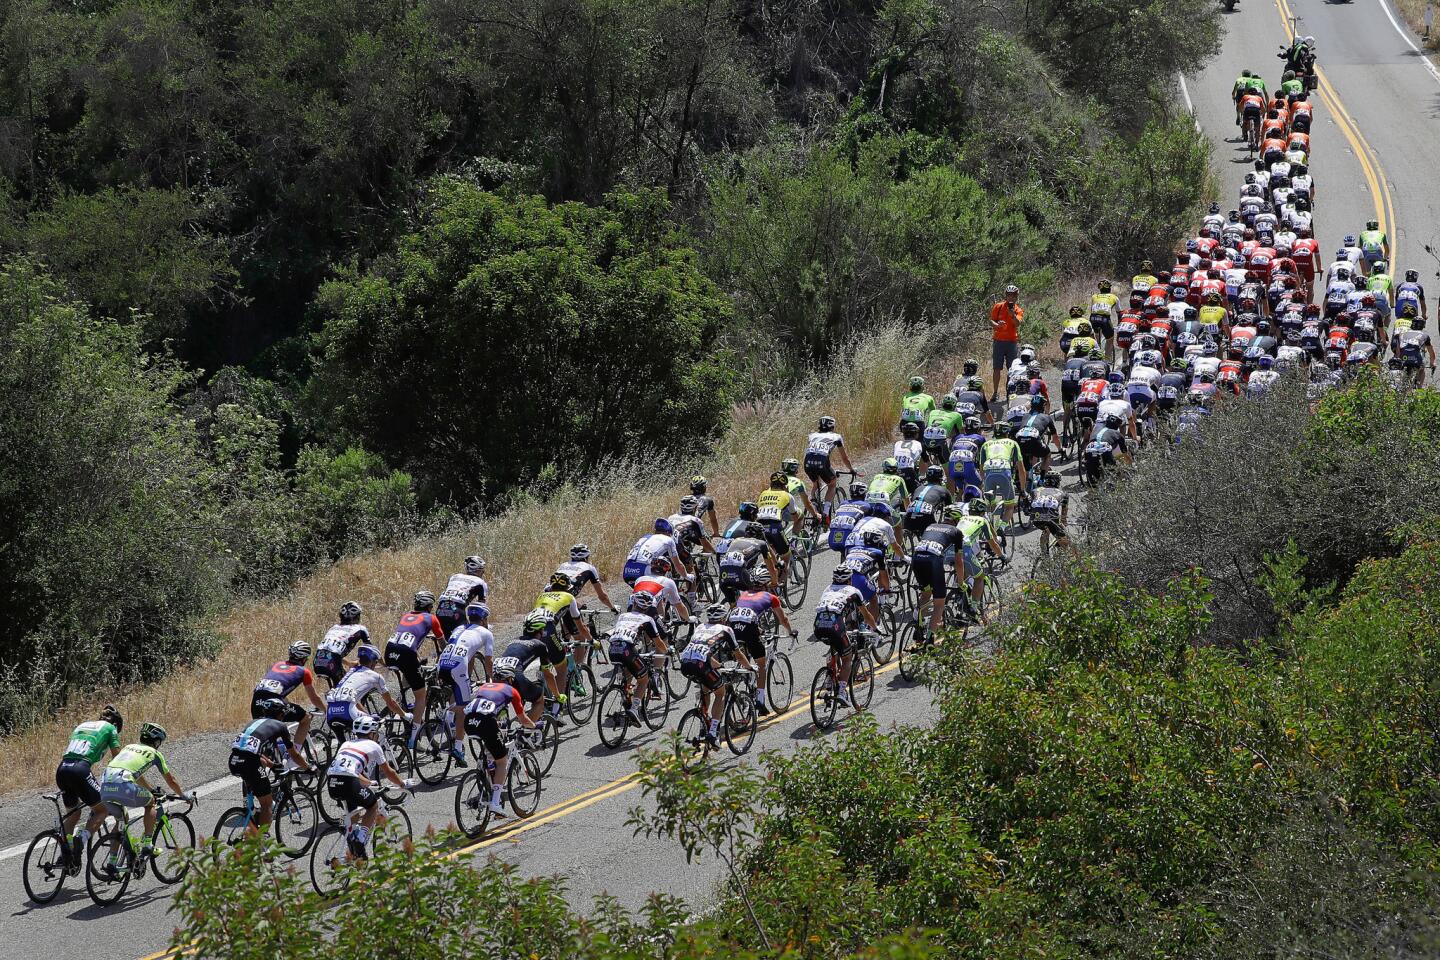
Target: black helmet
{"x": 1002, "y": 428}
{"x": 562, "y": 583}
{"x": 873, "y": 539}
{"x": 112, "y": 716}
{"x": 827, "y": 424}
{"x": 917, "y": 384}
{"x": 935, "y": 473}
{"x": 971, "y": 366}
{"x": 423, "y": 601}
{"x": 350, "y": 612}
{"x": 1113, "y": 421}
{"x": 749, "y": 511}
{"x": 272, "y": 708}
{"x": 778, "y": 480}
{"x": 909, "y": 429}
{"x": 1037, "y": 402}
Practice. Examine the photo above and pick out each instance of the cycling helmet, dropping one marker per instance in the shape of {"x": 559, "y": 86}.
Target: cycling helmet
{"x": 1033, "y": 369}
{"x": 1262, "y": 328}
{"x": 748, "y": 511}
{"x": 1037, "y": 402}
{"x": 1265, "y": 362}
{"x": 476, "y": 613}
{"x": 1095, "y": 354}
{"x": 1368, "y": 300}
{"x": 778, "y": 480}
{"x": 1083, "y": 328}
{"x": 1027, "y": 352}
{"x": 717, "y": 613}
{"x": 1192, "y": 245}
{"x": 1372, "y": 224}
{"x": 909, "y": 429}
{"x": 917, "y": 384}
{"x": 642, "y": 601}
{"x": 1114, "y": 377}
{"x": 663, "y": 526}
{"x": 1077, "y": 311}
{"x": 858, "y": 489}
{"x": 560, "y": 582}
{"x": 1178, "y": 363}
{"x": 112, "y": 716}
{"x": 1147, "y": 265}
{"x": 971, "y": 366}
{"x": 1116, "y": 391}
{"x": 474, "y": 566}
{"x": 538, "y": 620}
{"x": 1002, "y": 428}
{"x": 791, "y": 466}
{"x": 890, "y": 466}
{"x": 365, "y": 725}
{"x": 1209, "y": 349}
{"x": 581, "y": 551}
{"x": 1245, "y": 73}
{"x": 975, "y": 383}
{"x": 350, "y": 612}
{"x": 300, "y": 651}
{"x": 841, "y": 575}
{"x": 660, "y": 565}
{"x": 948, "y": 402}
{"x": 973, "y": 424}
{"x": 873, "y": 539}
{"x": 152, "y": 734}
{"x": 272, "y": 708}
{"x": 1349, "y": 240}
{"x": 366, "y": 654}
{"x": 423, "y": 601}
{"x": 1012, "y": 289}
{"x": 689, "y": 506}
{"x": 934, "y": 473}
{"x": 953, "y": 513}
{"x": 1380, "y": 266}
{"x": 1411, "y": 276}
{"x": 698, "y": 483}
{"x": 1113, "y": 421}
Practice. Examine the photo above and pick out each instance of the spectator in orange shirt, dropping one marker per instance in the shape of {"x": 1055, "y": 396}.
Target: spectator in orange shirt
{"x": 1005, "y": 318}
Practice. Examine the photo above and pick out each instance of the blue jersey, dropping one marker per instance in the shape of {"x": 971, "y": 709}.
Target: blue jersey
{"x": 1407, "y": 292}
{"x": 964, "y": 464}
{"x": 850, "y": 513}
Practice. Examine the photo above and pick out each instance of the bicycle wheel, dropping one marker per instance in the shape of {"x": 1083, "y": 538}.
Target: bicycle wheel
{"x": 394, "y": 830}
{"x": 472, "y": 802}
{"x": 823, "y": 702}
{"x": 430, "y": 757}
{"x": 395, "y": 681}
{"x": 803, "y": 563}
{"x": 549, "y": 744}
{"x": 296, "y": 822}
{"x": 45, "y": 866}
{"x": 656, "y": 709}
{"x": 691, "y": 746}
{"x": 173, "y": 836}
{"x": 888, "y": 635}
{"x": 992, "y": 606}
{"x": 330, "y": 811}
{"x": 907, "y": 653}
{"x": 792, "y": 591}
{"x": 523, "y": 782}
{"x": 107, "y": 886}
{"x": 741, "y": 720}
{"x": 677, "y": 685}
{"x": 779, "y": 683}
{"x": 582, "y": 693}
{"x": 230, "y": 828}
{"x": 327, "y": 863}
{"x": 862, "y": 680}
{"x": 316, "y": 750}
{"x": 610, "y": 720}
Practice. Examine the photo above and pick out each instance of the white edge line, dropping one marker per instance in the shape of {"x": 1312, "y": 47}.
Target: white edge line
{"x": 1190, "y": 104}
{"x": 1405, "y": 35}
{"x": 214, "y": 786}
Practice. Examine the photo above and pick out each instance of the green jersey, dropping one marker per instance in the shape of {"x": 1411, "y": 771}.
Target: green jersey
{"x": 948, "y": 421}
{"x": 1373, "y": 241}
{"x": 1292, "y": 86}
{"x": 975, "y": 530}
{"x": 1380, "y": 283}
{"x": 138, "y": 758}
{"x": 915, "y": 407}
{"x": 1001, "y": 453}
{"x": 90, "y": 741}
{"x": 887, "y": 488}
{"x": 1257, "y": 85}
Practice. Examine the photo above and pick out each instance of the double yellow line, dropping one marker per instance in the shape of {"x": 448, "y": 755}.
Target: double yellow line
{"x": 1369, "y": 159}
{"x": 562, "y": 809}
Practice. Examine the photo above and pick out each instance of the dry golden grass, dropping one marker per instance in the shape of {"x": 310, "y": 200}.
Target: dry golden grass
{"x": 522, "y": 545}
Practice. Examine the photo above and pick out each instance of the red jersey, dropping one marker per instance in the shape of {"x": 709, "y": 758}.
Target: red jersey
{"x": 1092, "y": 391}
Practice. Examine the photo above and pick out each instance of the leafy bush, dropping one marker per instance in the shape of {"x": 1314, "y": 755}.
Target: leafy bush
{"x": 506, "y": 336}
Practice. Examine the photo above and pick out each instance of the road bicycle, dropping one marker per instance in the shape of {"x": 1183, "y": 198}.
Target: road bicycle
{"x": 523, "y": 781}
{"x": 613, "y": 722}
{"x": 738, "y": 726}
{"x": 394, "y": 740}
{"x": 995, "y": 513}
{"x": 957, "y": 617}
{"x": 331, "y": 860}
{"x": 824, "y": 691}
{"x": 779, "y": 671}
{"x": 294, "y": 817}
{"x": 51, "y": 857}
{"x": 117, "y": 856}
{"x": 797, "y": 571}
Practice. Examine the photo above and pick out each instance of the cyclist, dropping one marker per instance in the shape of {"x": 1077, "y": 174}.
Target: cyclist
{"x": 740, "y": 554}
{"x": 665, "y": 591}
{"x": 776, "y": 512}
{"x": 979, "y": 534}
{"x": 835, "y": 618}
{"x": 796, "y": 488}
{"x": 1050, "y": 510}
{"x": 460, "y": 591}
{"x": 704, "y": 656}
{"x": 124, "y": 784}
{"x": 746, "y": 619}
{"x": 343, "y": 703}
{"x": 916, "y": 405}
{"x": 482, "y": 719}
{"x": 536, "y": 645}
{"x": 582, "y": 572}
{"x": 963, "y": 468}
{"x": 402, "y": 652}
{"x": 632, "y": 639}
{"x": 351, "y": 780}
{"x": 1003, "y": 465}
{"x": 559, "y": 601}
{"x": 1083, "y": 341}
{"x": 1382, "y": 285}
{"x": 1411, "y": 344}
{"x": 889, "y": 488}
{"x": 1103, "y": 316}
{"x": 76, "y": 779}
{"x": 1105, "y": 442}
{"x": 941, "y": 428}
{"x": 471, "y": 639}
{"x": 660, "y": 543}
{"x": 1374, "y": 244}
{"x": 931, "y": 562}
{"x": 851, "y": 512}
{"x": 972, "y": 402}
{"x": 909, "y": 454}
{"x": 865, "y": 559}
{"x": 1038, "y": 427}
{"x": 698, "y": 486}
{"x": 281, "y": 680}
{"x": 1411, "y": 292}
{"x": 930, "y": 499}
{"x": 332, "y": 659}
{"x": 262, "y": 746}
{"x": 819, "y": 448}
{"x": 689, "y": 532}
{"x": 1146, "y": 278}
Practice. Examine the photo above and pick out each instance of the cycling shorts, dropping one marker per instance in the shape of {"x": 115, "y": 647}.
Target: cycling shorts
{"x": 119, "y": 787}
{"x": 76, "y": 780}
{"x": 449, "y": 621}
{"x": 865, "y": 585}
{"x": 294, "y": 713}
{"x": 916, "y": 522}
{"x": 350, "y": 793}
{"x": 329, "y": 665}
{"x": 530, "y": 690}
{"x": 817, "y": 467}
{"x": 487, "y": 728}
{"x": 1050, "y": 525}
{"x": 929, "y": 572}
{"x": 751, "y": 640}
{"x": 736, "y": 577}
{"x": 251, "y": 771}
{"x": 631, "y": 657}
{"x": 972, "y": 565}
{"x": 1100, "y": 323}
{"x": 836, "y": 639}
{"x": 406, "y": 662}
{"x": 775, "y": 536}
{"x": 1000, "y": 483}
{"x": 340, "y": 713}
{"x": 1069, "y": 390}
{"x": 701, "y": 672}
{"x": 634, "y": 570}
{"x": 458, "y": 680}
{"x": 1033, "y": 450}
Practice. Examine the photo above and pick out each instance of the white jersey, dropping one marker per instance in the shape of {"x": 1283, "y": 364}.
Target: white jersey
{"x": 908, "y": 453}
{"x": 669, "y": 592}
{"x": 1260, "y": 381}
{"x": 1146, "y": 375}
{"x": 341, "y": 638}
{"x": 1203, "y": 365}
{"x": 1120, "y": 408}
{"x": 868, "y": 525}
{"x": 468, "y": 640}
{"x": 580, "y": 573}
{"x": 1354, "y": 254}
{"x": 457, "y": 593}
{"x": 1176, "y": 311}
{"x": 823, "y": 442}
{"x": 356, "y": 685}
{"x": 1289, "y": 356}
{"x": 357, "y": 758}
{"x": 654, "y": 545}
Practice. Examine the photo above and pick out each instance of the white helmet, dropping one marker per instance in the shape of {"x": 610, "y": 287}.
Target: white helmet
{"x": 364, "y": 725}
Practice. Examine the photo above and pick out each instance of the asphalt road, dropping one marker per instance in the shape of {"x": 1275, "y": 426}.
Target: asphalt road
{"x": 1377, "y": 102}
